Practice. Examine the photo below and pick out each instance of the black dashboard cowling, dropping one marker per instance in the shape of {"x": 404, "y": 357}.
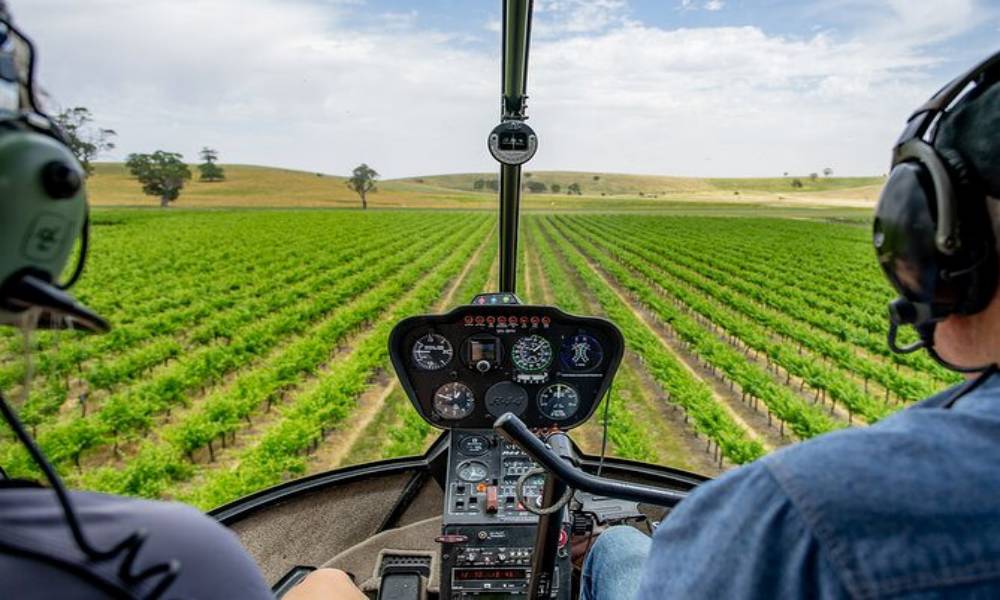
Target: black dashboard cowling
{"x": 547, "y": 367}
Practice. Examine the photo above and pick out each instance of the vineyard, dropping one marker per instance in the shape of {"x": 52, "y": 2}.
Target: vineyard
{"x": 249, "y": 347}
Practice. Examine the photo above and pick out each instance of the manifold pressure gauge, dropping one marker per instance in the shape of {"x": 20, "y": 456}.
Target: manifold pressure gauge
{"x": 512, "y": 142}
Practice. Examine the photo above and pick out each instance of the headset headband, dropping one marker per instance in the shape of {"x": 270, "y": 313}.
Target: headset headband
{"x": 912, "y": 146}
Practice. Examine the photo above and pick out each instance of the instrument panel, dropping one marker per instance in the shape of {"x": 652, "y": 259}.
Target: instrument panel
{"x": 465, "y": 368}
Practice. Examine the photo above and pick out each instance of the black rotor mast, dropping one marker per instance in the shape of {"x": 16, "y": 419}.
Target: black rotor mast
{"x": 516, "y": 37}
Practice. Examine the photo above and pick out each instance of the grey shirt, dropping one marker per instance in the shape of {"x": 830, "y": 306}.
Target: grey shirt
{"x": 38, "y": 558}
{"x": 909, "y": 507}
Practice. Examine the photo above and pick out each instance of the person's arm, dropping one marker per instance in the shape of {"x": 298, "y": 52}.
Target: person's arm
{"x": 738, "y": 536}
{"x": 326, "y": 584}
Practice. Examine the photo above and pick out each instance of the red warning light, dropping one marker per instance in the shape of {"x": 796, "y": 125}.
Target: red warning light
{"x": 490, "y": 320}
{"x": 546, "y": 321}
{"x": 502, "y": 320}
{"x": 480, "y": 320}
{"x": 524, "y": 320}
{"x": 468, "y": 320}
{"x": 534, "y": 320}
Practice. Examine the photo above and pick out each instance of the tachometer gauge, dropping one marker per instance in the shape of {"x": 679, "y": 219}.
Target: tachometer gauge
{"x": 432, "y": 352}
{"x": 558, "y": 401}
{"x": 454, "y": 401}
{"x": 472, "y": 471}
{"x": 531, "y": 354}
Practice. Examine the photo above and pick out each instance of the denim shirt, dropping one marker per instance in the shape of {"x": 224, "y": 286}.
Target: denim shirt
{"x": 908, "y": 507}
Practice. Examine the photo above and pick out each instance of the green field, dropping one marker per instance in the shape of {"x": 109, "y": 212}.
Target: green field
{"x": 249, "y": 345}
{"x": 250, "y": 186}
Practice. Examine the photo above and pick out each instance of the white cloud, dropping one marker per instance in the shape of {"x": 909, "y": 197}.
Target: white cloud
{"x": 709, "y": 5}
{"x": 559, "y": 17}
{"x": 297, "y": 84}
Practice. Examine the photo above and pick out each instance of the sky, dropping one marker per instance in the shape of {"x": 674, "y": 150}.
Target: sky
{"x": 737, "y": 88}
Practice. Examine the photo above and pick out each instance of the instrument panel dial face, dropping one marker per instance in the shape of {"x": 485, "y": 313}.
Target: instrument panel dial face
{"x": 454, "y": 401}
{"x": 432, "y": 352}
{"x": 581, "y": 353}
{"x": 474, "y": 445}
{"x": 472, "y": 471}
{"x": 532, "y": 354}
{"x": 558, "y": 401}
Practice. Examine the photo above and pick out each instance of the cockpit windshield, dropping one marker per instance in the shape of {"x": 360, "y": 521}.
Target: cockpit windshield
{"x": 275, "y": 185}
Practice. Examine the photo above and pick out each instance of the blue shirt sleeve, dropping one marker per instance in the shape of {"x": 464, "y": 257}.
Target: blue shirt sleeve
{"x": 738, "y": 536}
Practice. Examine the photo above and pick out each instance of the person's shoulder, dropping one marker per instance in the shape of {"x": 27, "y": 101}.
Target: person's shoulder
{"x": 883, "y": 499}
{"x": 213, "y": 563}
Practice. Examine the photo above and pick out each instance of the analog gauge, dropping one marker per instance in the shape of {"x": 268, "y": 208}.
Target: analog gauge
{"x": 472, "y": 471}
{"x": 581, "y": 353}
{"x": 531, "y": 354}
{"x": 454, "y": 401}
{"x": 474, "y": 445}
{"x": 558, "y": 401}
{"x": 432, "y": 352}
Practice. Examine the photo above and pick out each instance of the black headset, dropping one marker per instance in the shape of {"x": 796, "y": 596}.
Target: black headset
{"x": 932, "y": 230}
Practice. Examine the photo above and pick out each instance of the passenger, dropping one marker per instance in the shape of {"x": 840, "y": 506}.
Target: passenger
{"x": 908, "y": 507}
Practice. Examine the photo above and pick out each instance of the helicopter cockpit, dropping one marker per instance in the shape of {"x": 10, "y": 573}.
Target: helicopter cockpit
{"x": 493, "y": 508}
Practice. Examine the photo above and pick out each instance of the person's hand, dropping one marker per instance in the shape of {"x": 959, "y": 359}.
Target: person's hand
{"x": 326, "y": 584}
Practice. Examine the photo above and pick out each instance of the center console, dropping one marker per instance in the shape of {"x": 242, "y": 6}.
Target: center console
{"x": 464, "y": 369}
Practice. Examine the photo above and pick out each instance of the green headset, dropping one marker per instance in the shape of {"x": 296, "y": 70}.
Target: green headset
{"x": 43, "y": 204}
{"x": 932, "y": 231}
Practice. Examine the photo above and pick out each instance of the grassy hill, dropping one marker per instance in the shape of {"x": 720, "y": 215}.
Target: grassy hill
{"x": 255, "y": 186}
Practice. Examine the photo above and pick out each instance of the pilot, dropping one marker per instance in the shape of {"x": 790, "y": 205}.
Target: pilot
{"x": 104, "y": 546}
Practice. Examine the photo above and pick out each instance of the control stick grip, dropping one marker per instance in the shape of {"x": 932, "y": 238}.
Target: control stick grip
{"x": 555, "y": 460}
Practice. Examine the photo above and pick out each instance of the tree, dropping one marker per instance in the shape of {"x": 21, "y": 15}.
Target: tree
{"x": 479, "y": 184}
{"x": 362, "y": 181}
{"x": 597, "y": 177}
{"x": 796, "y": 183}
{"x": 85, "y": 141}
{"x": 785, "y": 174}
{"x": 573, "y": 188}
{"x": 814, "y": 176}
{"x": 160, "y": 173}
{"x": 555, "y": 188}
{"x": 827, "y": 171}
{"x": 209, "y": 170}
{"x": 536, "y": 187}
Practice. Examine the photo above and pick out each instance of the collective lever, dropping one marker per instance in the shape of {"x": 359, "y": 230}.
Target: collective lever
{"x": 514, "y": 429}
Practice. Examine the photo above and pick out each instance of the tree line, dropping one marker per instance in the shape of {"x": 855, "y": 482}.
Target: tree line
{"x": 162, "y": 174}
{"x": 535, "y": 187}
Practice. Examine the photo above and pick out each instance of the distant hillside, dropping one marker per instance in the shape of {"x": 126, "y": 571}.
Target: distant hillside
{"x": 256, "y": 186}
